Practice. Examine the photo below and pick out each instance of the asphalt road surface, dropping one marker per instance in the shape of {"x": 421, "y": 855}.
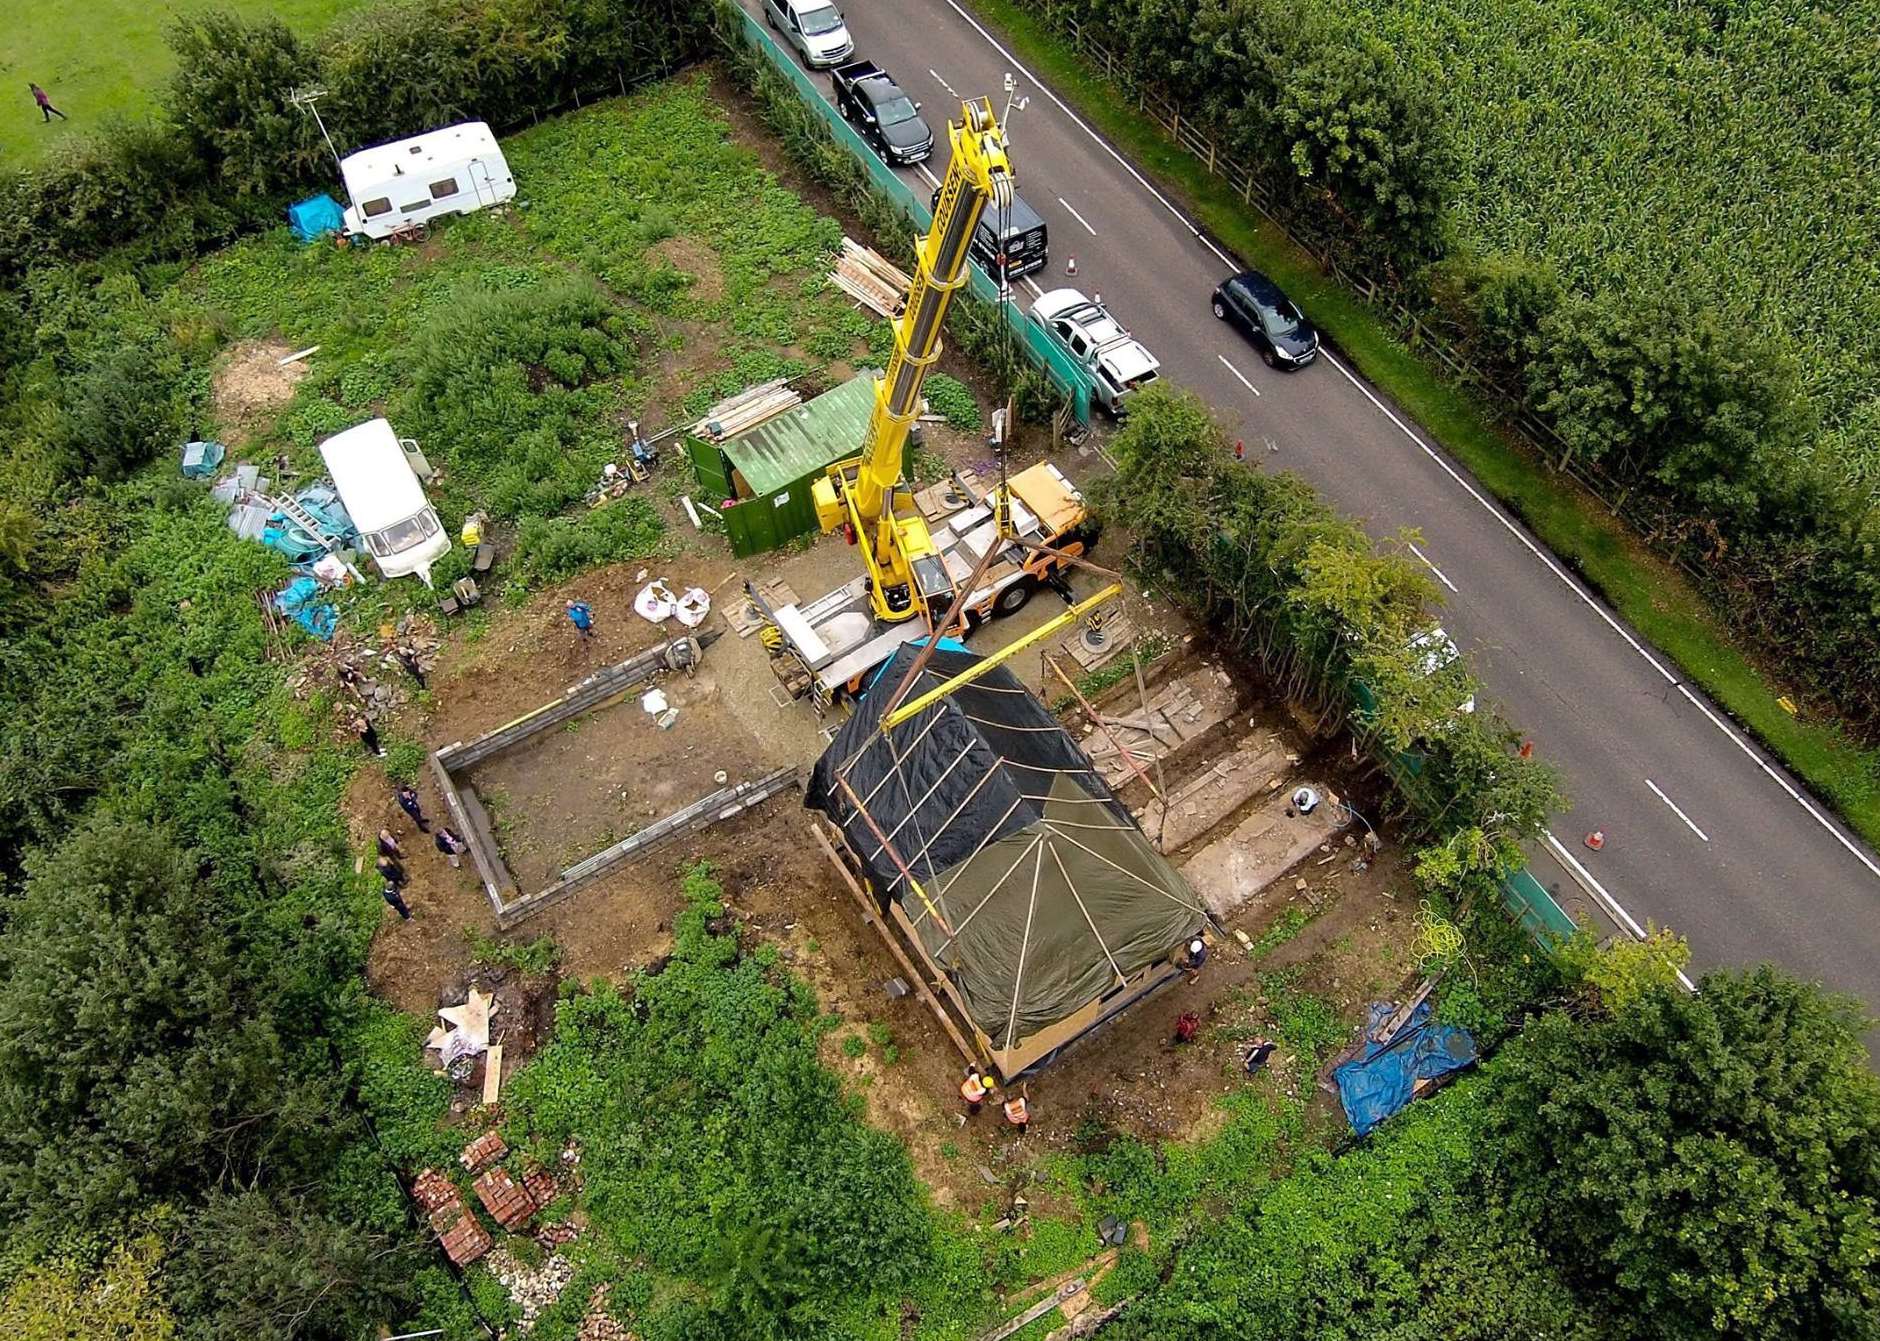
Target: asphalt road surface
{"x": 1704, "y": 833}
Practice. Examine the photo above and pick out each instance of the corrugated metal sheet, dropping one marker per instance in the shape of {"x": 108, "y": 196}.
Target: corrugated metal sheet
{"x": 802, "y": 443}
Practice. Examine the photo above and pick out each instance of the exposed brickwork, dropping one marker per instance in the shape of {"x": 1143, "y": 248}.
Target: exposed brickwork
{"x": 457, "y": 1229}
{"x": 483, "y": 1152}
{"x": 467, "y": 1240}
{"x": 432, "y": 1189}
{"x": 540, "y": 1185}
{"x": 505, "y": 1199}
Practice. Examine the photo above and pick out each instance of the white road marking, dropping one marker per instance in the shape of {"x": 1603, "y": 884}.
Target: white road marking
{"x": 1032, "y": 284}
{"x": 1232, "y": 369}
{"x": 927, "y": 172}
{"x": 1676, "y": 810}
{"x": 1782, "y": 782}
{"x": 1599, "y": 893}
{"x": 943, "y": 83}
{"x": 1434, "y": 569}
{"x": 1075, "y": 215}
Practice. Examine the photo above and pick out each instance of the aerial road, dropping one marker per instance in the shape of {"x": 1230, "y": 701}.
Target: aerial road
{"x": 1704, "y": 832}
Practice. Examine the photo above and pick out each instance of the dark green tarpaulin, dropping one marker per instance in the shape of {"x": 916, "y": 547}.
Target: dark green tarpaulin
{"x": 1032, "y": 888}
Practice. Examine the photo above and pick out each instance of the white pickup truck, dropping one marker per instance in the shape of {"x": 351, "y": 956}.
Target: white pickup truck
{"x": 1116, "y": 361}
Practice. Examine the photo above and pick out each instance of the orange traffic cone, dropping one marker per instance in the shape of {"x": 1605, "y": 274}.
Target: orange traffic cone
{"x": 1596, "y": 839}
{"x": 1527, "y": 749}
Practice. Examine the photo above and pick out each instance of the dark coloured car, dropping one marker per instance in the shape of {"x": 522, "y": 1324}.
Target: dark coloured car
{"x": 1017, "y": 234}
{"x": 887, "y": 118}
{"x": 1266, "y": 316}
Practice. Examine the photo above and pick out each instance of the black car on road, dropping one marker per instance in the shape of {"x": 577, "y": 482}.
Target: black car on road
{"x": 1267, "y": 317}
{"x": 887, "y": 118}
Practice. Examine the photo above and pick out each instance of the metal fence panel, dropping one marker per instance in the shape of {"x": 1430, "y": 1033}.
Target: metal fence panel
{"x": 1069, "y": 378}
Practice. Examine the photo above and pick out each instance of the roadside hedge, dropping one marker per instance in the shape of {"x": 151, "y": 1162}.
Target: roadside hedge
{"x": 1700, "y": 425}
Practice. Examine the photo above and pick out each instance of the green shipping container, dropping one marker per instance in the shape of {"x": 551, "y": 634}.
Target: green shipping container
{"x": 771, "y": 468}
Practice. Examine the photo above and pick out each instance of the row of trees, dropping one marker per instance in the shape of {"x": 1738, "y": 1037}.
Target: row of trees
{"x": 227, "y": 145}
{"x": 1699, "y": 415}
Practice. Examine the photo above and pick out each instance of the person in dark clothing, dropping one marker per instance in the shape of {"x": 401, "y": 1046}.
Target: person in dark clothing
{"x": 368, "y": 735}
{"x": 45, "y": 103}
{"x": 450, "y": 845}
{"x": 391, "y": 895}
{"x": 393, "y": 871}
{"x": 1192, "y": 957}
{"x": 408, "y": 802}
{"x": 388, "y": 844}
{"x": 410, "y": 662}
{"x": 352, "y": 682}
{"x": 1257, "y": 1055}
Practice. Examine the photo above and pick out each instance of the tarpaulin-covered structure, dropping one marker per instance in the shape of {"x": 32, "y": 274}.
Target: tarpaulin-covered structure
{"x": 1003, "y": 859}
{"x": 1385, "y": 1077}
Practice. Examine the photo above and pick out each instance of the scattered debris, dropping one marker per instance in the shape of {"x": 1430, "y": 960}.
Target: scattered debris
{"x": 598, "y": 1324}
{"x": 468, "y": 1032}
{"x": 867, "y": 277}
{"x": 534, "y": 1289}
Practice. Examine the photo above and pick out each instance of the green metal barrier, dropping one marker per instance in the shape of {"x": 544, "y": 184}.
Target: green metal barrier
{"x": 1534, "y": 908}
{"x": 1068, "y": 377}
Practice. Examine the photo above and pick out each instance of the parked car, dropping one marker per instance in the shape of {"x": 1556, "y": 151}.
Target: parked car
{"x": 1117, "y": 363}
{"x": 1017, "y": 234}
{"x": 814, "y": 28}
{"x": 1267, "y": 317}
{"x": 887, "y": 118}
{"x": 1437, "y": 651}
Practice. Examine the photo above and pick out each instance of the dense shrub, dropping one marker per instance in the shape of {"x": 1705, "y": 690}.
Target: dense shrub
{"x": 228, "y": 99}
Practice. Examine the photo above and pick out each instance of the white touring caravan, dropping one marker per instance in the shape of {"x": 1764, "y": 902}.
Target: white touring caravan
{"x": 396, "y": 524}
{"x": 455, "y": 170}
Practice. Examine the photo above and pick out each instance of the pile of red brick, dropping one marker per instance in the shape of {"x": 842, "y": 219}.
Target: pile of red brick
{"x": 457, "y": 1229}
{"x": 505, "y": 1199}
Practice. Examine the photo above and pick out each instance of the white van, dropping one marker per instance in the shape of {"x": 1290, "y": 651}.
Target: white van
{"x": 396, "y": 524}
{"x": 456, "y": 170}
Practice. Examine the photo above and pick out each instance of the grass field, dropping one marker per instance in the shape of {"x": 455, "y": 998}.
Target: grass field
{"x": 104, "y": 59}
{"x": 1649, "y": 594}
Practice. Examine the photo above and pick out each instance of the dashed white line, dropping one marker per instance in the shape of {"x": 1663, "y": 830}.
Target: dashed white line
{"x": 1075, "y": 215}
{"x": 1600, "y": 894}
{"x": 943, "y": 83}
{"x": 1434, "y": 569}
{"x": 1852, "y": 848}
{"x": 1232, "y": 369}
{"x": 1676, "y": 809}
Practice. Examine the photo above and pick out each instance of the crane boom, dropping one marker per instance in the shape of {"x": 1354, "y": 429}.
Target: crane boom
{"x": 865, "y": 491}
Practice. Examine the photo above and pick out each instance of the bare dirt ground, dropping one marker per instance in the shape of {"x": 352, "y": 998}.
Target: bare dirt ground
{"x": 249, "y": 385}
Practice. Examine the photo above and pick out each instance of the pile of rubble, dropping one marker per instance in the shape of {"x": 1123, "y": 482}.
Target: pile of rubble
{"x": 375, "y": 673}
{"x": 598, "y": 1324}
{"x": 534, "y": 1289}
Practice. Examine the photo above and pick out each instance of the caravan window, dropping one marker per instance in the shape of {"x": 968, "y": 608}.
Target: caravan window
{"x": 417, "y": 205}
{"x": 372, "y": 209}
{"x": 447, "y": 187}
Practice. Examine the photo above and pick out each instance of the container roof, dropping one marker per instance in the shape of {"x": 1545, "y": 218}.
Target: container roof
{"x": 805, "y": 440}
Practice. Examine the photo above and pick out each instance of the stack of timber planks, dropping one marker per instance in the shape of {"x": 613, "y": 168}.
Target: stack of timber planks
{"x": 870, "y": 280}
{"x": 746, "y": 410}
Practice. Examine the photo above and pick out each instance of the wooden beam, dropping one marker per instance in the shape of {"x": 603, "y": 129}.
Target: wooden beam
{"x": 871, "y": 915}
{"x": 998, "y": 658}
{"x": 1065, "y": 1291}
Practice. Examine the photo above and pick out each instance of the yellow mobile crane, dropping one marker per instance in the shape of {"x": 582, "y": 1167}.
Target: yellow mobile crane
{"x": 865, "y": 492}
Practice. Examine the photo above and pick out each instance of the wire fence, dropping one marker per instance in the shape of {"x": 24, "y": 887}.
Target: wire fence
{"x": 1639, "y": 508}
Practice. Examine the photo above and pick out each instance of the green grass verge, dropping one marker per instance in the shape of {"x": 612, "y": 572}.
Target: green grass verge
{"x": 106, "y": 59}
{"x": 1649, "y": 594}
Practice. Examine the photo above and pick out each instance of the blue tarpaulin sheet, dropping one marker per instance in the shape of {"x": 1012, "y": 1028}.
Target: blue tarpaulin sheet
{"x": 200, "y": 459}
{"x": 315, "y": 218}
{"x": 1380, "y": 1080}
{"x": 300, "y": 601}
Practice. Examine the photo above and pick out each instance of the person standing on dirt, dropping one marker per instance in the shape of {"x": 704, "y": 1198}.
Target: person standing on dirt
{"x": 1192, "y": 957}
{"x": 409, "y": 660}
{"x": 408, "y": 802}
{"x": 582, "y": 618}
{"x": 1186, "y": 1026}
{"x": 1017, "y": 1112}
{"x": 368, "y": 735}
{"x": 388, "y": 844}
{"x": 973, "y": 1091}
{"x": 397, "y": 900}
{"x": 46, "y": 109}
{"x": 450, "y": 845}
{"x": 1257, "y": 1055}
{"x": 394, "y": 872}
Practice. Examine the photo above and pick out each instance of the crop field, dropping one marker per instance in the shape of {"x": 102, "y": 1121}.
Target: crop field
{"x": 110, "y": 65}
{"x": 1733, "y": 150}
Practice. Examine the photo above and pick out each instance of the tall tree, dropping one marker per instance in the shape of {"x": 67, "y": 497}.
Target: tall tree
{"x": 1712, "y": 1160}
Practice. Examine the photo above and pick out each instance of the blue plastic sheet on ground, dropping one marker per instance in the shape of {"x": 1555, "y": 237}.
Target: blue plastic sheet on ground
{"x": 1380, "y": 1080}
{"x": 315, "y": 218}
{"x": 326, "y": 509}
{"x": 300, "y": 601}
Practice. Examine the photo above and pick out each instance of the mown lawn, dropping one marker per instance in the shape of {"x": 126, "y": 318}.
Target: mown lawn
{"x": 105, "y": 59}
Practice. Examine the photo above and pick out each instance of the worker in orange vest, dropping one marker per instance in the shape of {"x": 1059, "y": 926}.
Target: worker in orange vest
{"x": 973, "y": 1091}
{"x": 1017, "y": 1113}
